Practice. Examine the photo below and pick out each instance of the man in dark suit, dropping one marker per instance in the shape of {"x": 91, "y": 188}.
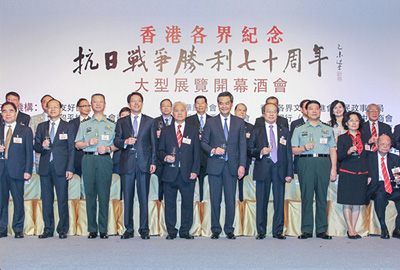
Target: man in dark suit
{"x": 165, "y": 119}
{"x": 23, "y": 118}
{"x": 135, "y": 135}
{"x": 396, "y": 137}
{"x": 224, "y": 139}
{"x": 383, "y": 184}
{"x": 281, "y": 120}
{"x": 270, "y": 146}
{"x": 180, "y": 171}
{"x": 241, "y": 112}
{"x": 296, "y": 123}
{"x": 83, "y": 107}
{"x": 199, "y": 120}
{"x": 56, "y": 167}
{"x": 15, "y": 167}
{"x": 373, "y": 128}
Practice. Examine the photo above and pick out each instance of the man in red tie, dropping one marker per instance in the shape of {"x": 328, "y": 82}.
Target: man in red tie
{"x": 179, "y": 149}
{"x": 373, "y": 128}
{"x": 384, "y": 183}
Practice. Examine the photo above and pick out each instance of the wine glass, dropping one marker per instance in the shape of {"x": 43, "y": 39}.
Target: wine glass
{"x": 396, "y": 174}
{"x": 133, "y": 135}
{"x": 311, "y": 137}
{"x": 173, "y": 154}
{"x": 47, "y": 138}
{"x": 96, "y": 134}
{"x": 4, "y": 151}
{"x": 354, "y": 153}
{"x": 223, "y": 146}
{"x": 160, "y": 125}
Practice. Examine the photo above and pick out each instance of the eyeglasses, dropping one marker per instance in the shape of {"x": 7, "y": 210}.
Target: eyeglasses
{"x": 377, "y": 110}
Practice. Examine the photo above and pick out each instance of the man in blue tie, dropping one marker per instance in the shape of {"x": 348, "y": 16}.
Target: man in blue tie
{"x": 270, "y": 146}
{"x": 224, "y": 139}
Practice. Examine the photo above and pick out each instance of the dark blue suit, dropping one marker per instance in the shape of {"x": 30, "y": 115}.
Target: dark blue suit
{"x": 23, "y": 118}
{"x": 382, "y": 129}
{"x": 159, "y": 123}
{"x": 193, "y": 120}
{"x": 20, "y": 161}
{"x": 377, "y": 189}
{"x": 134, "y": 166}
{"x": 52, "y": 173}
{"x": 223, "y": 173}
{"x": 187, "y": 161}
{"x": 280, "y": 121}
{"x": 266, "y": 172}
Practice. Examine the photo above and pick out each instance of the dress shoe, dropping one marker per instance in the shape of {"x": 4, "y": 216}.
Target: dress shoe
{"x": 104, "y": 235}
{"x": 351, "y": 236}
{"x": 62, "y": 235}
{"x": 358, "y": 236}
{"x": 260, "y": 236}
{"x": 3, "y": 235}
{"x": 323, "y": 235}
{"x": 215, "y": 235}
{"x": 19, "y": 235}
{"x": 396, "y": 233}
{"x": 171, "y": 236}
{"x": 145, "y": 235}
{"x": 385, "y": 234}
{"x": 127, "y": 235}
{"x": 45, "y": 235}
{"x": 231, "y": 236}
{"x": 186, "y": 236}
{"x": 279, "y": 236}
{"x": 92, "y": 235}
{"x": 305, "y": 235}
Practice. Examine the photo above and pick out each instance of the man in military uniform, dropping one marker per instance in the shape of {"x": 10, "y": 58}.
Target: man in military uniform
{"x": 315, "y": 144}
{"x": 95, "y": 137}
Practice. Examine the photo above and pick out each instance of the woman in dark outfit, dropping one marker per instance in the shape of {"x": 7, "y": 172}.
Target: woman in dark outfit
{"x": 353, "y": 172}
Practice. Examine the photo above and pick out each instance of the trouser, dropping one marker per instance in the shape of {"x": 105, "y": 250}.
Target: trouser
{"x": 227, "y": 181}
{"x": 382, "y": 200}
{"x": 143, "y": 184}
{"x": 263, "y": 188}
{"x": 314, "y": 175}
{"x": 47, "y": 184}
{"x": 16, "y": 187}
{"x": 187, "y": 194}
{"x": 97, "y": 175}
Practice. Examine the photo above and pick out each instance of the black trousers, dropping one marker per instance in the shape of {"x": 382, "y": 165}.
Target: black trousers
{"x": 142, "y": 180}
{"x": 263, "y": 188}
{"x": 47, "y": 184}
{"x": 187, "y": 194}
{"x": 16, "y": 187}
{"x": 227, "y": 181}
{"x": 382, "y": 200}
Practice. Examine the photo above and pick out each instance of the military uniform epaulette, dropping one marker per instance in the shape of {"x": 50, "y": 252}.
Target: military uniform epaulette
{"x": 111, "y": 120}
{"x": 85, "y": 120}
{"x": 326, "y": 124}
{"x": 299, "y": 125}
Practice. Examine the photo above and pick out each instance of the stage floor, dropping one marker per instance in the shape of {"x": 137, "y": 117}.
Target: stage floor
{"x": 78, "y": 252}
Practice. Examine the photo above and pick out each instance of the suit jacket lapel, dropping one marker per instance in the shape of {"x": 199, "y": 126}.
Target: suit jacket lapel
{"x": 59, "y": 129}
{"x": 174, "y": 136}
{"x": 220, "y": 128}
{"x": 142, "y": 123}
{"x": 264, "y": 135}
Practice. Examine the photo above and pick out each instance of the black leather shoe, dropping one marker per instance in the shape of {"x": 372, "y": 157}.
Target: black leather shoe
{"x": 3, "y": 235}
{"x": 145, "y": 235}
{"x": 171, "y": 236}
{"x": 260, "y": 236}
{"x": 62, "y": 235}
{"x": 305, "y": 235}
{"x": 358, "y": 236}
{"x": 45, "y": 235}
{"x": 231, "y": 236}
{"x": 323, "y": 235}
{"x": 385, "y": 234}
{"x": 351, "y": 236}
{"x": 19, "y": 235}
{"x": 92, "y": 235}
{"x": 186, "y": 236}
{"x": 396, "y": 233}
{"x": 279, "y": 236}
{"x": 127, "y": 235}
{"x": 215, "y": 235}
{"x": 104, "y": 235}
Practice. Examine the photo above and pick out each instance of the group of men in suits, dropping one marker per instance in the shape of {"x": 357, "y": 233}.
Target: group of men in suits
{"x": 179, "y": 149}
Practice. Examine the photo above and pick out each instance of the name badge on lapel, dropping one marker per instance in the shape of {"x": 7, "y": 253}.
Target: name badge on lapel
{"x": 282, "y": 140}
{"x": 63, "y": 136}
{"x": 367, "y": 147}
{"x": 187, "y": 140}
{"x": 105, "y": 137}
{"x": 17, "y": 140}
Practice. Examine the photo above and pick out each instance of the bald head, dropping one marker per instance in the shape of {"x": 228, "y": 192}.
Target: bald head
{"x": 384, "y": 143}
{"x": 179, "y": 112}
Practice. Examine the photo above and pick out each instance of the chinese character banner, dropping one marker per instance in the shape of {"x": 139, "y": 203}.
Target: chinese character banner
{"x": 322, "y": 50}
